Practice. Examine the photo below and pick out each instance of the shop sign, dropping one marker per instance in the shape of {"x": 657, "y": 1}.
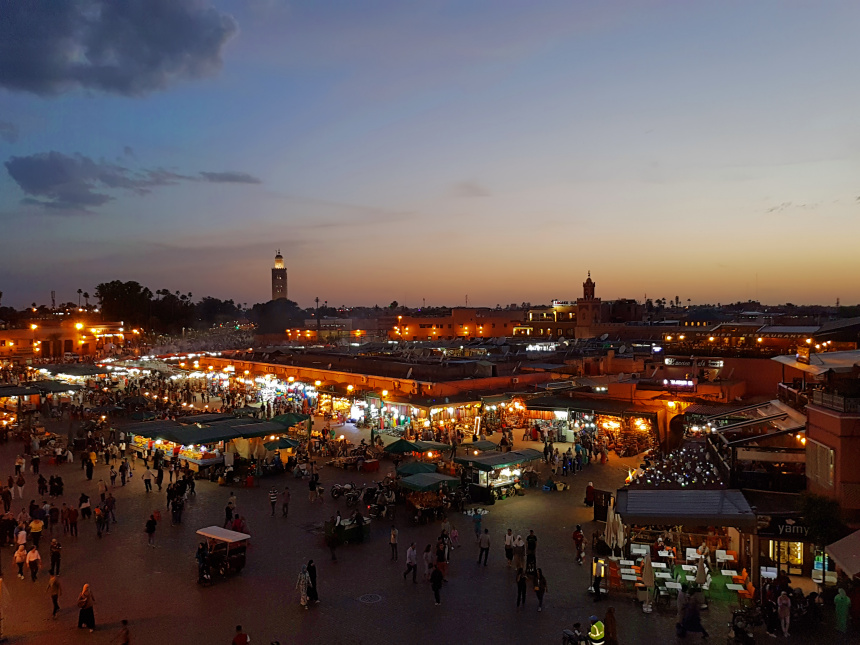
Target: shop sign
{"x": 687, "y": 362}
{"x": 542, "y": 347}
{"x": 679, "y": 384}
{"x": 783, "y": 528}
{"x": 803, "y": 355}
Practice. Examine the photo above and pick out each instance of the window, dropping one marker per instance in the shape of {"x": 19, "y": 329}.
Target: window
{"x": 819, "y": 463}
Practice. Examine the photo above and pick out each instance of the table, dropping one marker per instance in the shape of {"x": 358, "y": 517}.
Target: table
{"x": 665, "y": 554}
{"x": 673, "y": 585}
{"x": 661, "y": 574}
{"x": 658, "y": 565}
{"x": 725, "y": 558}
{"x": 689, "y": 567}
{"x": 629, "y": 571}
{"x": 734, "y": 587}
{"x": 628, "y": 577}
{"x": 626, "y": 563}
{"x": 729, "y": 572}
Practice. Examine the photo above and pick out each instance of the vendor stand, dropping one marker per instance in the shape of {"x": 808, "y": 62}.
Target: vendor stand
{"x": 347, "y": 531}
{"x": 426, "y": 496}
{"x": 492, "y": 476}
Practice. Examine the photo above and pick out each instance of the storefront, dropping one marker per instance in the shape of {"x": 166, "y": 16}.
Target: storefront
{"x": 491, "y": 476}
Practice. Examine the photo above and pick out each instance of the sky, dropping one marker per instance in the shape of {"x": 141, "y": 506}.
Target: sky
{"x": 433, "y": 151}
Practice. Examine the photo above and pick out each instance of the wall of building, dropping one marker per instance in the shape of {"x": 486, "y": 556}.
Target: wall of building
{"x": 463, "y": 323}
{"x": 839, "y": 432}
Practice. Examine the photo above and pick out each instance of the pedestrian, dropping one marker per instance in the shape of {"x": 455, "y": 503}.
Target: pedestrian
{"x": 540, "y": 588}
{"x": 73, "y": 521}
{"x": 436, "y": 579}
{"x": 19, "y": 485}
{"x": 578, "y": 543}
{"x": 285, "y": 502}
{"x": 313, "y": 592}
{"x": 784, "y": 605}
{"x": 302, "y": 585}
{"x": 273, "y": 498}
{"x": 56, "y": 548}
{"x": 589, "y": 494}
{"x": 148, "y": 476}
{"x": 484, "y": 545}
{"x": 228, "y": 514}
{"x": 599, "y": 573}
{"x": 411, "y": 562}
{"x": 531, "y": 551}
{"x": 86, "y": 615}
{"x": 34, "y": 561}
{"x": 522, "y": 581}
{"x": 124, "y": 635}
{"x": 150, "y": 530}
{"x": 610, "y": 627}
{"x": 102, "y": 486}
{"x": 36, "y": 526}
{"x": 692, "y": 618}
{"x": 159, "y": 477}
{"x": 843, "y": 605}
{"x": 55, "y": 590}
{"x": 393, "y": 542}
{"x": 519, "y": 553}
{"x": 113, "y": 474}
{"x": 85, "y": 506}
{"x": 509, "y": 546}
{"x": 455, "y": 537}
{"x": 19, "y": 558}
{"x": 312, "y": 489}
{"x": 241, "y": 638}
{"x": 428, "y": 561}
{"x": 476, "y": 520}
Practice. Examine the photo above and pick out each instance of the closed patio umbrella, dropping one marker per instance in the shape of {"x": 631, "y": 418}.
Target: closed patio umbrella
{"x": 648, "y": 581}
{"x": 701, "y": 573}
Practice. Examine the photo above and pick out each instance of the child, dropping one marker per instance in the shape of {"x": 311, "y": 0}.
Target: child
{"x": 455, "y": 537}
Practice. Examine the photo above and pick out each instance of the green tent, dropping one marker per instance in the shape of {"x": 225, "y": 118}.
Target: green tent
{"x": 401, "y": 445}
{"x": 481, "y": 446}
{"x": 415, "y": 467}
{"x": 281, "y": 444}
{"x": 428, "y": 481}
{"x": 290, "y": 419}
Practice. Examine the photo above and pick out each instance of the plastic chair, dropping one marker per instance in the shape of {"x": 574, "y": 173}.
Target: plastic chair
{"x": 747, "y": 596}
{"x": 741, "y": 579}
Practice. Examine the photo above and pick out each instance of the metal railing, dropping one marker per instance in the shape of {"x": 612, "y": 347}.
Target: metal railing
{"x": 836, "y": 402}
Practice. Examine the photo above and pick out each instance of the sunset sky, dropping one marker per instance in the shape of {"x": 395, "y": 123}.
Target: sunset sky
{"x": 398, "y": 151}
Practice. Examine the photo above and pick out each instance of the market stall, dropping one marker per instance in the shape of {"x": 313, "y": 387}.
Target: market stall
{"x": 492, "y": 476}
{"x": 425, "y": 498}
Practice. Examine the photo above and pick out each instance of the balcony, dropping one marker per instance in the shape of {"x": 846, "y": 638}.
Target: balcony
{"x": 788, "y": 394}
{"x": 849, "y": 405}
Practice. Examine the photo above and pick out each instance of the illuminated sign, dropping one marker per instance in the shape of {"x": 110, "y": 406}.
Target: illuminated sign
{"x": 686, "y": 362}
{"x": 542, "y": 347}
{"x": 679, "y": 384}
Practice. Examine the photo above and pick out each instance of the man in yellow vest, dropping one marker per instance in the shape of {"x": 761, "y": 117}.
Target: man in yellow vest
{"x": 595, "y": 632}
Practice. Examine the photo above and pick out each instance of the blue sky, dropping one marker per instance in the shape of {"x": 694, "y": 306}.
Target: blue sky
{"x": 400, "y": 151}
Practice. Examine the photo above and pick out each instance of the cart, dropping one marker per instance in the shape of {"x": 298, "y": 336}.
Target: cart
{"x": 225, "y": 552}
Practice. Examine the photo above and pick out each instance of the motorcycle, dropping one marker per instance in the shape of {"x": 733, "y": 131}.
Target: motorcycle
{"x": 354, "y": 496}
{"x": 573, "y": 637}
{"x": 743, "y": 621}
{"x": 341, "y": 489}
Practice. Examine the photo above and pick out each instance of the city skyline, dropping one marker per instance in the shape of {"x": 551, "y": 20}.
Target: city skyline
{"x": 411, "y": 153}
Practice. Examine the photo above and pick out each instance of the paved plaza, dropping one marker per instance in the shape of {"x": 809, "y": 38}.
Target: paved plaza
{"x": 364, "y": 598}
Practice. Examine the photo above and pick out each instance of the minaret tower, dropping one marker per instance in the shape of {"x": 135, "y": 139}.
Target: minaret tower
{"x": 279, "y": 278}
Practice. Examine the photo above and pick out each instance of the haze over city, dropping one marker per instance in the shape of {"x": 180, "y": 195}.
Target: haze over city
{"x": 409, "y": 152}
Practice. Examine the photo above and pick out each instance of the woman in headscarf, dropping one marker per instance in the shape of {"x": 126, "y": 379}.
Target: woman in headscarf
{"x": 86, "y": 617}
{"x": 313, "y": 595}
{"x": 589, "y": 494}
{"x": 302, "y": 585}
{"x": 843, "y": 605}
{"x": 519, "y": 561}
{"x": 610, "y": 627}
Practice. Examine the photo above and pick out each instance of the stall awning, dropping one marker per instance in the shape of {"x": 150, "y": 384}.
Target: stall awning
{"x": 16, "y": 390}
{"x": 846, "y": 554}
{"x": 55, "y": 387}
{"x": 490, "y": 462}
{"x": 685, "y": 508}
{"x": 415, "y": 467}
{"x": 257, "y": 429}
{"x": 190, "y": 435}
{"x": 290, "y": 419}
{"x": 402, "y": 445}
{"x": 203, "y": 418}
{"x": 483, "y": 446}
{"x": 153, "y": 429}
{"x": 427, "y": 481}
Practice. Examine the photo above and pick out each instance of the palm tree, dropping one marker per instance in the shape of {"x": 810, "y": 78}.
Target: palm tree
{"x": 87, "y": 298}
{"x": 80, "y": 291}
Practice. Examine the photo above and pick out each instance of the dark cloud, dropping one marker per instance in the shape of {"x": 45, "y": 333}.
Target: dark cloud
{"x": 130, "y": 47}
{"x": 77, "y": 183}
{"x": 8, "y": 132}
{"x": 229, "y": 178}
{"x": 469, "y": 189}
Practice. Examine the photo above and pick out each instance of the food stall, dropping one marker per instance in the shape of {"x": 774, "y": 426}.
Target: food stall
{"x": 425, "y": 499}
{"x": 200, "y": 446}
{"x": 492, "y": 476}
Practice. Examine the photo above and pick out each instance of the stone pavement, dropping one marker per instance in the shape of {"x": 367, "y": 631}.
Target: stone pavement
{"x": 364, "y": 597}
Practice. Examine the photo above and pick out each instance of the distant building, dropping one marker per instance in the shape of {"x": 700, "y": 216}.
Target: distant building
{"x": 459, "y": 323}
{"x": 279, "y": 278}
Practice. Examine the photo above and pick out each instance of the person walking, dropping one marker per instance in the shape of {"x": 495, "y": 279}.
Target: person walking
{"x": 151, "y": 523}
{"x": 124, "y": 635}
{"x": 147, "y": 477}
{"x": 102, "y": 486}
{"x": 19, "y": 485}
{"x": 531, "y": 553}
{"x": 519, "y": 551}
{"x": 428, "y": 561}
{"x": 34, "y": 561}
{"x": 599, "y": 573}
{"x": 610, "y": 627}
{"x": 411, "y": 562}
{"x": 509, "y": 546}
{"x": 19, "y": 558}
{"x": 86, "y": 613}
{"x": 392, "y": 541}
{"x": 784, "y": 606}
{"x": 55, "y": 590}
{"x": 540, "y": 588}
{"x": 693, "y": 618}
{"x": 285, "y": 502}
{"x": 55, "y": 557}
{"x": 484, "y": 545}
{"x": 522, "y": 581}
{"x": 36, "y": 526}
{"x": 73, "y": 521}
{"x": 578, "y": 543}
{"x": 241, "y": 638}
{"x": 436, "y": 579}
{"x": 313, "y": 592}
{"x": 589, "y": 494}
{"x": 476, "y": 521}
{"x": 273, "y": 498}
{"x": 302, "y": 585}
